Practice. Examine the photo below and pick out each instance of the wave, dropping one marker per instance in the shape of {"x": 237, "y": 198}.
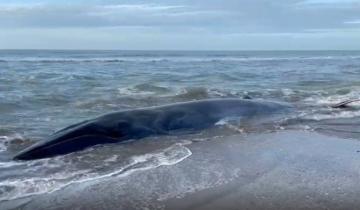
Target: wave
{"x": 14, "y": 188}
{"x": 192, "y": 93}
{"x": 327, "y": 114}
{"x": 3, "y": 146}
{"x": 143, "y": 89}
{"x": 15, "y": 139}
{"x": 330, "y": 97}
{"x": 181, "y": 93}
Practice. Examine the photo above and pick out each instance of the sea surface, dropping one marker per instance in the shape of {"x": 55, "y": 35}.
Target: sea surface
{"x": 42, "y": 91}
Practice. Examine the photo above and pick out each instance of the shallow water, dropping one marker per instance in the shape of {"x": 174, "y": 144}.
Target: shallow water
{"x": 43, "y": 91}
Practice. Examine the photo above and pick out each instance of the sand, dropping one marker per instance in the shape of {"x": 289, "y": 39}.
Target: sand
{"x": 282, "y": 170}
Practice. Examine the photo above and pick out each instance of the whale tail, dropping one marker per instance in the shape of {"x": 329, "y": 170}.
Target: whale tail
{"x": 345, "y": 103}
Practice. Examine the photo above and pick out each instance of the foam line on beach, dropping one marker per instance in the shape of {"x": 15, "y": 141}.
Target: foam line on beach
{"x": 25, "y": 187}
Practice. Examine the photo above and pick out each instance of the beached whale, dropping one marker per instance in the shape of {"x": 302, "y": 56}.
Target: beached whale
{"x": 138, "y": 123}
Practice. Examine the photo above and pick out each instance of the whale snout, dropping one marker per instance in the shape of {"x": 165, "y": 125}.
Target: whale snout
{"x": 70, "y": 140}
{"x": 32, "y": 153}
{"x": 66, "y": 146}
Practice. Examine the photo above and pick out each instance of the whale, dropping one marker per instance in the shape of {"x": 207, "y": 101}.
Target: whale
{"x": 139, "y": 123}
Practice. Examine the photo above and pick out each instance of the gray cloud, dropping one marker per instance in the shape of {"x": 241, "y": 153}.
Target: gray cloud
{"x": 45, "y": 15}
{"x": 237, "y": 16}
{"x": 178, "y": 24}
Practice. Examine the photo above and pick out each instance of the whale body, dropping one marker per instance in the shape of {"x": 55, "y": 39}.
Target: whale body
{"x": 139, "y": 123}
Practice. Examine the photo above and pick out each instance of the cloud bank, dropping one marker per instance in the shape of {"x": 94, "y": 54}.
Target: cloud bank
{"x": 128, "y": 23}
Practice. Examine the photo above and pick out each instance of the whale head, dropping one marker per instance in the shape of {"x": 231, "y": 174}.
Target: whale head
{"x": 75, "y": 138}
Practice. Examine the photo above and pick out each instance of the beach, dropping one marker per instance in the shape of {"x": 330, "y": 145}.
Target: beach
{"x": 305, "y": 159}
{"x": 282, "y": 170}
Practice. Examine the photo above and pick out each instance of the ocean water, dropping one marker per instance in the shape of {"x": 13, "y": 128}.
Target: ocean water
{"x": 42, "y": 91}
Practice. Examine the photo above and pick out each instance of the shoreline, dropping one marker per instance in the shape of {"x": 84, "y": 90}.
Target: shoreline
{"x": 287, "y": 169}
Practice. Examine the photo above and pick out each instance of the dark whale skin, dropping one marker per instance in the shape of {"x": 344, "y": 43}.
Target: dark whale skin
{"x": 139, "y": 123}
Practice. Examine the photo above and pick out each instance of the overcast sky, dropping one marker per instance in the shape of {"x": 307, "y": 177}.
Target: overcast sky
{"x": 180, "y": 24}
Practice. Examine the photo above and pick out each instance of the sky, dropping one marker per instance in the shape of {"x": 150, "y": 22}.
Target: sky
{"x": 180, "y": 24}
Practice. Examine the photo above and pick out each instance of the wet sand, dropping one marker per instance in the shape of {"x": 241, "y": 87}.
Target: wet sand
{"x": 283, "y": 170}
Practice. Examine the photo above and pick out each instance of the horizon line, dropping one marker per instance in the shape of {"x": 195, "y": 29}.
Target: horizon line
{"x": 180, "y": 50}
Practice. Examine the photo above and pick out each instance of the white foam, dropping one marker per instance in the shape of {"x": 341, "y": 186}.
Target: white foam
{"x": 228, "y": 122}
{"x": 132, "y": 91}
{"x": 113, "y": 158}
{"x": 5, "y": 140}
{"x": 324, "y": 112}
{"x": 334, "y": 115}
{"x": 219, "y": 93}
{"x": 24, "y": 187}
{"x": 3, "y": 147}
{"x": 335, "y": 98}
{"x": 287, "y": 92}
{"x": 193, "y": 92}
{"x": 9, "y": 164}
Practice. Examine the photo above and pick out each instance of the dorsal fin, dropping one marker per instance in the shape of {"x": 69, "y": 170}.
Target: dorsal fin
{"x": 344, "y": 104}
